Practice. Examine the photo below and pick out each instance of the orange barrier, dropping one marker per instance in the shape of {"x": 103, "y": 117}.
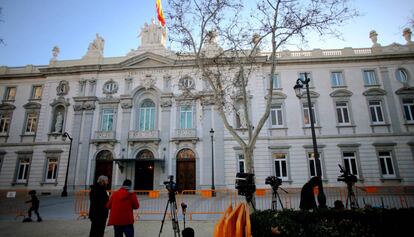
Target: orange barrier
{"x": 82, "y": 203}
{"x": 13, "y": 202}
{"x": 230, "y": 222}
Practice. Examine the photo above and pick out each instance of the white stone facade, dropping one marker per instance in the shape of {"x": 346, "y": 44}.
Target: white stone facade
{"x": 142, "y": 115}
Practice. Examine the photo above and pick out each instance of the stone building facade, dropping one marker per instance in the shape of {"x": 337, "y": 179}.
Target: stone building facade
{"x": 146, "y": 115}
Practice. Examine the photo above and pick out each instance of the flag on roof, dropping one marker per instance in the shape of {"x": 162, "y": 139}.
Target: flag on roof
{"x": 160, "y": 14}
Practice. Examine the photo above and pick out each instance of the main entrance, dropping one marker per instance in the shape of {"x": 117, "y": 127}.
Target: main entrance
{"x": 144, "y": 171}
{"x": 104, "y": 165}
{"x": 186, "y": 179}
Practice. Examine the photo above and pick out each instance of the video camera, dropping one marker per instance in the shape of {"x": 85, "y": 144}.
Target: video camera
{"x": 170, "y": 185}
{"x": 273, "y": 181}
{"x": 346, "y": 176}
{"x": 245, "y": 184}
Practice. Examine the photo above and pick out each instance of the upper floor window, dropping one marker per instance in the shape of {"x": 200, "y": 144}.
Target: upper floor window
{"x": 241, "y": 163}
{"x": 408, "y": 105}
{"x": 31, "y": 122}
{"x": 350, "y": 162}
{"x": 280, "y": 165}
{"x": 276, "y": 116}
{"x": 375, "y": 109}
{"x": 342, "y": 113}
{"x": 186, "y": 116}
{"x": 10, "y": 93}
{"x": 306, "y": 114}
{"x": 107, "y": 120}
{"x": 313, "y": 164}
{"x": 402, "y": 75}
{"x": 370, "y": 78}
{"x": 51, "y": 171}
{"x": 147, "y": 116}
{"x": 5, "y": 119}
{"x": 336, "y": 79}
{"x": 37, "y": 92}
{"x": 276, "y": 81}
{"x": 386, "y": 163}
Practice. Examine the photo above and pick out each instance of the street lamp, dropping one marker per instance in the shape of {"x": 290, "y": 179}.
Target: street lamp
{"x": 298, "y": 90}
{"x": 213, "y": 193}
{"x": 65, "y": 187}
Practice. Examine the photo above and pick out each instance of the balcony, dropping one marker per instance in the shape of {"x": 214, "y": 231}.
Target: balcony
{"x": 188, "y": 134}
{"x": 144, "y": 136}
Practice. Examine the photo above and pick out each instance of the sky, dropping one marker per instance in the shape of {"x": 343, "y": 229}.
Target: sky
{"x": 31, "y": 28}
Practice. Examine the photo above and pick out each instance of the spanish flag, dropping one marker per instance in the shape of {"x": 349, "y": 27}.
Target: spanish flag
{"x": 160, "y": 14}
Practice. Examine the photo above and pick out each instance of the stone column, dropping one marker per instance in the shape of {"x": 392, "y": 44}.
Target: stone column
{"x": 392, "y": 104}
{"x": 165, "y": 133}
{"x": 76, "y": 131}
{"x": 205, "y": 171}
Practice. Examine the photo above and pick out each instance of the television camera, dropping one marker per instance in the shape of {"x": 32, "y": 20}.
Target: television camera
{"x": 275, "y": 183}
{"x": 170, "y": 185}
{"x": 346, "y": 176}
{"x": 350, "y": 180}
{"x": 172, "y": 188}
{"x": 245, "y": 185}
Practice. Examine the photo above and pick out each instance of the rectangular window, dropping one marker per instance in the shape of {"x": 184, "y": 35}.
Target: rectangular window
{"x": 312, "y": 163}
{"x": 276, "y": 81}
{"x": 37, "y": 92}
{"x": 51, "y": 172}
{"x": 23, "y": 170}
{"x": 342, "y": 113}
{"x": 276, "y": 116}
{"x": 186, "y": 117}
{"x": 5, "y": 119}
{"x": 370, "y": 78}
{"x": 147, "y": 118}
{"x": 31, "y": 123}
{"x": 10, "y": 93}
{"x": 387, "y": 167}
{"x": 280, "y": 165}
{"x": 408, "y": 105}
{"x": 240, "y": 158}
{"x": 350, "y": 162}
{"x": 306, "y": 114}
{"x": 375, "y": 109}
{"x": 336, "y": 79}
{"x": 107, "y": 120}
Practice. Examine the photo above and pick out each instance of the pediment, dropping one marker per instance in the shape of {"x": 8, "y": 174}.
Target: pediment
{"x": 405, "y": 91}
{"x": 147, "y": 60}
{"x": 32, "y": 105}
{"x": 6, "y": 106}
{"x": 341, "y": 93}
{"x": 312, "y": 94}
{"x": 374, "y": 92}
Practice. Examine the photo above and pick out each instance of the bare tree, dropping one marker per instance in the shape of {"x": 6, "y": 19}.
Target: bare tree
{"x": 1, "y": 39}
{"x": 228, "y": 47}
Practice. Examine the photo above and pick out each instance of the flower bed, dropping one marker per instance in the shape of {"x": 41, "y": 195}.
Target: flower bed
{"x": 360, "y": 222}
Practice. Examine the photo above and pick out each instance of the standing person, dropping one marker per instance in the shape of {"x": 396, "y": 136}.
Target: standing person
{"x": 122, "y": 203}
{"x": 307, "y": 197}
{"x": 34, "y": 207}
{"x": 98, "y": 213}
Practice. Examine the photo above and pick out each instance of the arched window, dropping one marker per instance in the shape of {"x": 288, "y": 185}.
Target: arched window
{"x": 145, "y": 154}
{"x": 147, "y": 115}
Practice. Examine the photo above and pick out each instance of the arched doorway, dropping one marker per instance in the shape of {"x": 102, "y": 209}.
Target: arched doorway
{"x": 186, "y": 179}
{"x": 144, "y": 171}
{"x": 104, "y": 165}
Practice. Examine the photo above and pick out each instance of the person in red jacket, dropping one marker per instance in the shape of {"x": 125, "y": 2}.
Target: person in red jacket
{"x": 122, "y": 203}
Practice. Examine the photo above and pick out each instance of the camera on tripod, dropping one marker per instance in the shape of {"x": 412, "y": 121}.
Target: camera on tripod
{"x": 170, "y": 185}
{"x": 346, "y": 176}
{"x": 245, "y": 184}
{"x": 273, "y": 181}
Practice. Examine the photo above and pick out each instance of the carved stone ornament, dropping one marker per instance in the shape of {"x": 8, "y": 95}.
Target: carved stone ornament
{"x": 77, "y": 107}
{"x": 207, "y": 100}
{"x": 126, "y": 104}
{"x": 186, "y": 83}
{"x": 148, "y": 82}
{"x": 166, "y": 102}
{"x": 110, "y": 87}
{"x": 88, "y": 105}
{"x": 62, "y": 88}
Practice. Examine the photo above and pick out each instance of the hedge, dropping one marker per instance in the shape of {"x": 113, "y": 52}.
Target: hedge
{"x": 328, "y": 222}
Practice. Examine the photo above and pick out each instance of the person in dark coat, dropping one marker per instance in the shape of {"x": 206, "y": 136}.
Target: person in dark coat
{"x": 98, "y": 213}
{"x": 34, "y": 207}
{"x": 122, "y": 204}
{"x": 307, "y": 197}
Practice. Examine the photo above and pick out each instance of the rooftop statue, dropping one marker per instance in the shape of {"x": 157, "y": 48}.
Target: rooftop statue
{"x": 152, "y": 34}
{"x": 96, "y": 47}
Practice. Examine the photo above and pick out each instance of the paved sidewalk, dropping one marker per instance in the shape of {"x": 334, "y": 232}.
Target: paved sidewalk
{"x": 72, "y": 228}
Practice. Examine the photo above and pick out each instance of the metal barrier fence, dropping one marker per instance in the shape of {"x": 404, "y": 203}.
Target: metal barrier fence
{"x": 13, "y": 202}
{"x": 208, "y": 202}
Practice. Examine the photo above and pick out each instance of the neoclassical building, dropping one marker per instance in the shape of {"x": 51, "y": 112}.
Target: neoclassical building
{"x": 147, "y": 115}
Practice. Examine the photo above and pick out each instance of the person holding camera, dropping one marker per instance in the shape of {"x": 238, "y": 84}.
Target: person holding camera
{"x": 98, "y": 213}
{"x": 122, "y": 204}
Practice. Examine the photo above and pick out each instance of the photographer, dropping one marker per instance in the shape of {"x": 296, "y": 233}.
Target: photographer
{"x": 122, "y": 203}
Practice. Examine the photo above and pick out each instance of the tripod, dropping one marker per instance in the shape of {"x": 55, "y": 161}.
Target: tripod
{"x": 351, "y": 198}
{"x": 173, "y": 212}
{"x": 276, "y": 197}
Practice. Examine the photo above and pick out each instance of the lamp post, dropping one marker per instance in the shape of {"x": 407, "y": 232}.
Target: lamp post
{"x": 65, "y": 187}
{"x": 213, "y": 193}
{"x": 298, "y": 90}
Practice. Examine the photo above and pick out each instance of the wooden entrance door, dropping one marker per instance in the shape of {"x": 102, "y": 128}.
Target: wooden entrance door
{"x": 104, "y": 165}
{"x": 186, "y": 176}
